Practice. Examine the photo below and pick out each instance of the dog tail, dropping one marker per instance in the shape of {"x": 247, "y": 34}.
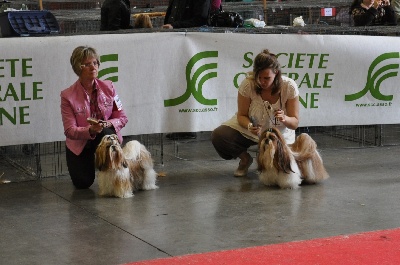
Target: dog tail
{"x": 304, "y": 147}
{"x": 133, "y": 150}
{"x": 313, "y": 170}
{"x": 320, "y": 170}
{"x": 308, "y": 159}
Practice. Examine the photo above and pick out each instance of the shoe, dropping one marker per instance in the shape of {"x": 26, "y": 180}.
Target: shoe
{"x": 181, "y": 136}
{"x": 242, "y": 170}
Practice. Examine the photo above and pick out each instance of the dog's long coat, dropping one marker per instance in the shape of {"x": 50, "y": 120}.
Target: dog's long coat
{"x": 287, "y": 167}
{"x": 123, "y": 170}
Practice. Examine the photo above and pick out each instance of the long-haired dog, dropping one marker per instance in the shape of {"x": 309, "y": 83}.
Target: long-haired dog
{"x": 288, "y": 167}
{"x": 123, "y": 170}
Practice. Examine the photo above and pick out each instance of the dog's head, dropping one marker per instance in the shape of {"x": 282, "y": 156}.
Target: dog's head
{"x": 109, "y": 140}
{"x": 109, "y": 154}
{"x": 273, "y": 151}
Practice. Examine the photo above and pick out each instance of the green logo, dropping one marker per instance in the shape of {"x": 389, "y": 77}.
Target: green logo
{"x": 197, "y": 79}
{"x": 376, "y": 77}
{"x": 110, "y": 71}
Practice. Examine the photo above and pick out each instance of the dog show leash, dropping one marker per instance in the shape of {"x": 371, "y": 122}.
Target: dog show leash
{"x": 268, "y": 108}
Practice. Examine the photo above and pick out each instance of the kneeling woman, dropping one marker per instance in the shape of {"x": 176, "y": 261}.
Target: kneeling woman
{"x": 88, "y": 97}
{"x": 266, "y": 99}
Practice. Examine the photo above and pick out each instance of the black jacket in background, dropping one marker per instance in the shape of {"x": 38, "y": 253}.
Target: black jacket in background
{"x": 383, "y": 15}
{"x": 115, "y": 14}
{"x": 190, "y": 13}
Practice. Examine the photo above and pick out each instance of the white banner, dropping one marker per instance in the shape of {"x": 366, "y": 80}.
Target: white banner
{"x": 171, "y": 82}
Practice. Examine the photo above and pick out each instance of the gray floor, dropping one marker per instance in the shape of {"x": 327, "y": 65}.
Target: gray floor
{"x": 199, "y": 207}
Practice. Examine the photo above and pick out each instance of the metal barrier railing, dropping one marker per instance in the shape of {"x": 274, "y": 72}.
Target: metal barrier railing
{"x": 34, "y": 161}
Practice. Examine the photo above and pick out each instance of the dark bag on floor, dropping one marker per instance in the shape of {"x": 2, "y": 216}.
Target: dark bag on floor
{"x": 226, "y": 19}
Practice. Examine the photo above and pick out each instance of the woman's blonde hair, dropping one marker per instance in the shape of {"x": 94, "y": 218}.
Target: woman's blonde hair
{"x": 80, "y": 54}
{"x": 266, "y": 60}
{"x": 143, "y": 21}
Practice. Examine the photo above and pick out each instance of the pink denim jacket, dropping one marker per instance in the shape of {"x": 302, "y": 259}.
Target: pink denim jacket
{"x": 75, "y": 109}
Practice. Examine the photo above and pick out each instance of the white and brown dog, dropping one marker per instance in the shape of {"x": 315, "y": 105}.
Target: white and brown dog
{"x": 288, "y": 167}
{"x": 123, "y": 170}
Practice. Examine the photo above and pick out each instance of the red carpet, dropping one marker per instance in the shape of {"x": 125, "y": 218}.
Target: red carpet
{"x": 378, "y": 247}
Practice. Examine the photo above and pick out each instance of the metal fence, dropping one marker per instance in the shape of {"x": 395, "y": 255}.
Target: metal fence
{"x": 34, "y": 161}
{"x": 279, "y": 13}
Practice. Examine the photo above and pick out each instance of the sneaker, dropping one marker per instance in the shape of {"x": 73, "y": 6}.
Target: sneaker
{"x": 242, "y": 170}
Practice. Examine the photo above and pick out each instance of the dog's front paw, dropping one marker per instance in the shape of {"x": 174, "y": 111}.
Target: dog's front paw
{"x": 289, "y": 187}
{"x": 150, "y": 187}
{"x": 127, "y": 195}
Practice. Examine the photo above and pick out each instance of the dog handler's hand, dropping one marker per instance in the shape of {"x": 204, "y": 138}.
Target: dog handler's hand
{"x": 280, "y": 114}
{"x": 96, "y": 128}
{"x": 254, "y": 129}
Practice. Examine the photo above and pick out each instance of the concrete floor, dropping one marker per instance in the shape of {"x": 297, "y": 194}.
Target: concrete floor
{"x": 200, "y": 207}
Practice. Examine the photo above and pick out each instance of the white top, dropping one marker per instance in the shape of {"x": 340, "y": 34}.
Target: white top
{"x": 262, "y": 112}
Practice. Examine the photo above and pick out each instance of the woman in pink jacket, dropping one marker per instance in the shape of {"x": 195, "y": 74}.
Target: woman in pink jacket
{"x": 88, "y": 97}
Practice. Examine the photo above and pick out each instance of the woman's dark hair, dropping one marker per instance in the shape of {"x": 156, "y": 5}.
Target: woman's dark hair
{"x": 267, "y": 60}
{"x": 354, "y": 4}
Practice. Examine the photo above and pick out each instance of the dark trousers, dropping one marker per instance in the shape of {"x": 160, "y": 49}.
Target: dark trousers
{"x": 229, "y": 143}
{"x": 81, "y": 167}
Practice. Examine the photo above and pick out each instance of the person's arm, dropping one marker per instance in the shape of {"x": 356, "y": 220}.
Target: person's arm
{"x": 103, "y": 18}
{"x": 390, "y": 16}
{"x": 362, "y": 18}
{"x": 118, "y": 119}
{"x": 167, "y": 13}
{"x": 243, "y": 114}
{"x": 71, "y": 128}
{"x": 197, "y": 18}
{"x": 125, "y": 15}
{"x": 291, "y": 118}
{"x": 111, "y": 17}
{"x": 243, "y": 110}
{"x": 116, "y": 114}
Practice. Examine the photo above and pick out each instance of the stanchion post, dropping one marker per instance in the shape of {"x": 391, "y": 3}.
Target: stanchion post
{"x": 265, "y": 11}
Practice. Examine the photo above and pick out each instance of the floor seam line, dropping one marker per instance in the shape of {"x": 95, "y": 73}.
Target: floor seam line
{"x": 108, "y": 222}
